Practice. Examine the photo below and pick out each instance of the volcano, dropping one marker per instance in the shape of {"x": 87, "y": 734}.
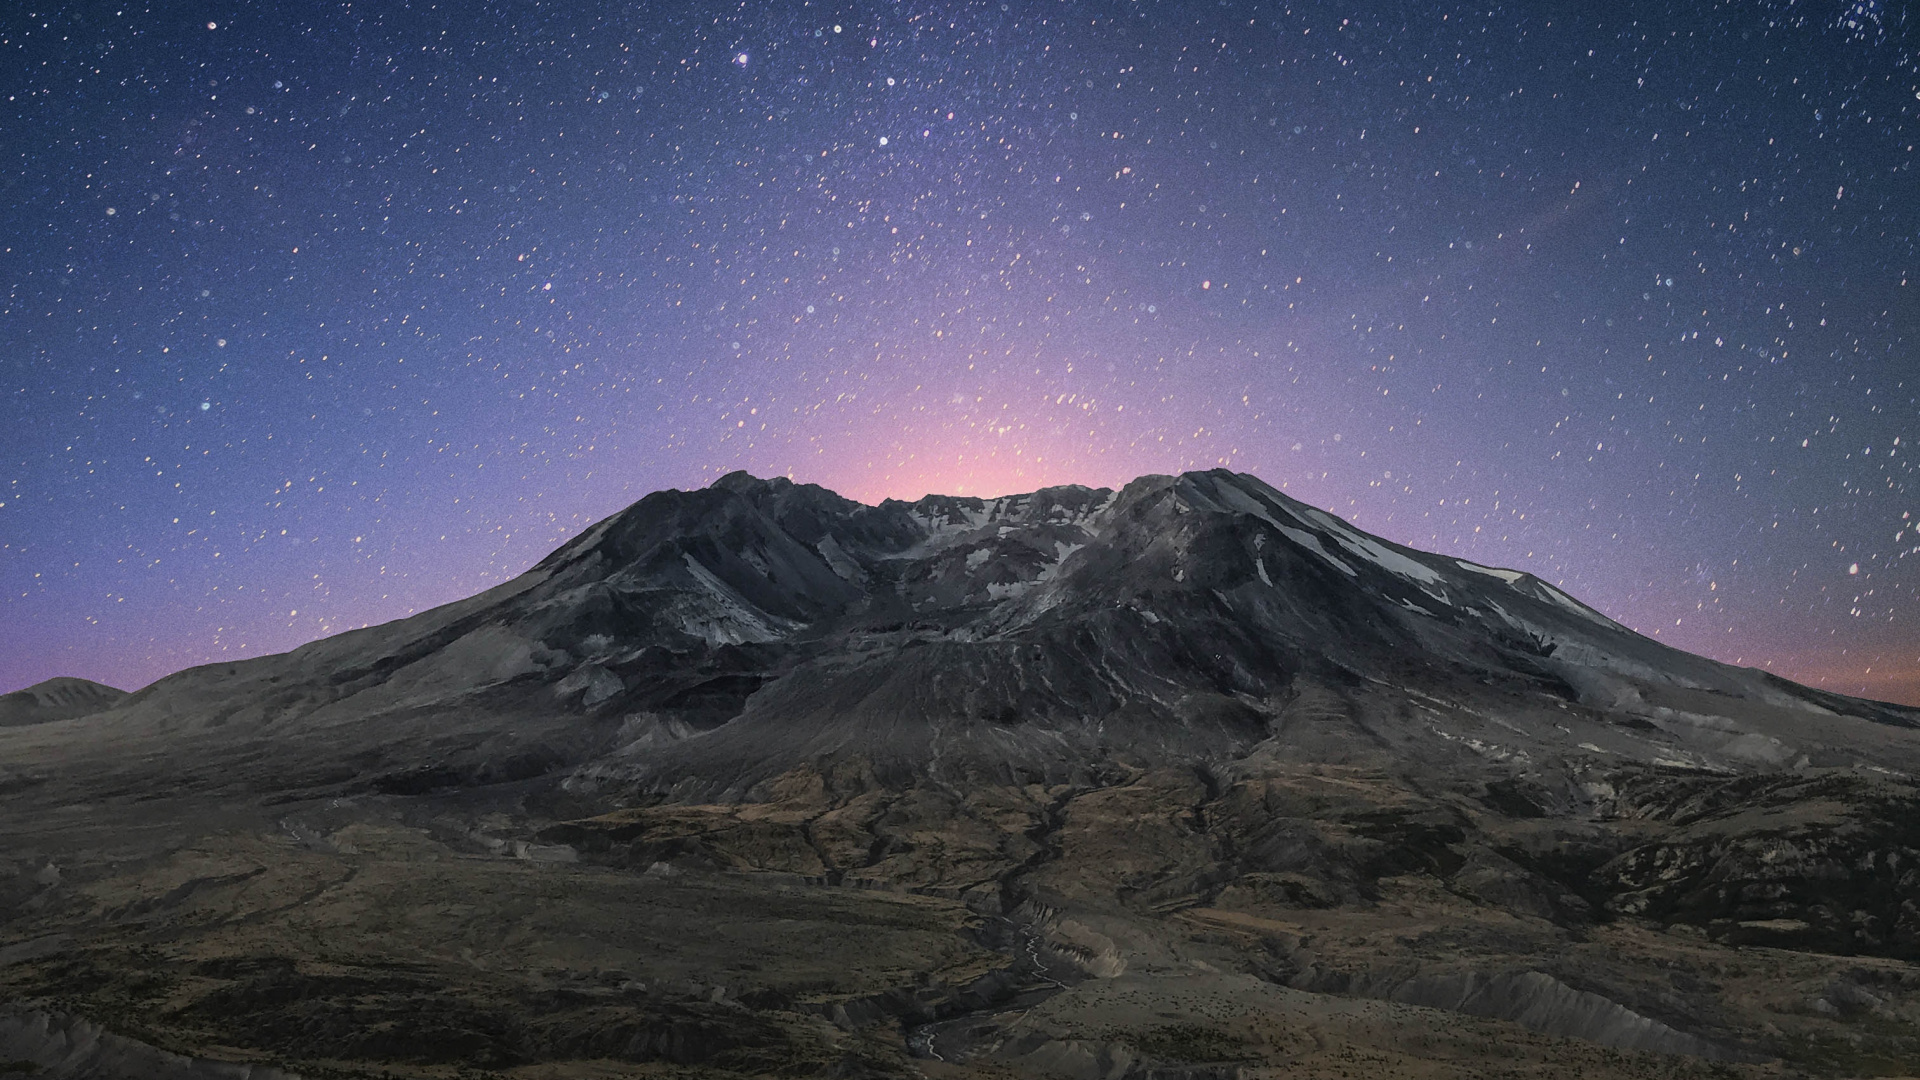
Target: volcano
{"x": 1186, "y": 779}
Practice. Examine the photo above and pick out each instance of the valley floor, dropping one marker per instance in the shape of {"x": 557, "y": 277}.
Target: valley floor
{"x": 1003, "y": 932}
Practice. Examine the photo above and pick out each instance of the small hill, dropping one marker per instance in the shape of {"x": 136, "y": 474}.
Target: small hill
{"x": 61, "y": 698}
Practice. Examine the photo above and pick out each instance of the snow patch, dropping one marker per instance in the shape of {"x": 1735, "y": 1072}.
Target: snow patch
{"x": 1363, "y": 546}
{"x": 841, "y": 563}
{"x": 727, "y": 618}
{"x": 1528, "y": 585}
{"x": 1357, "y": 543}
{"x": 1488, "y": 750}
{"x": 1236, "y": 499}
{"x": 1312, "y": 543}
{"x": 1508, "y": 576}
{"x": 1578, "y": 652}
{"x": 1563, "y": 600}
{"x": 1061, "y": 549}
{"x": 1091, "y": 519}
{"x": 954, "y": 520}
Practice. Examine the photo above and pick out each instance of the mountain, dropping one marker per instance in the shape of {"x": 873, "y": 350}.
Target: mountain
{"x": 60, "y": 698}
{"x": 1182, "y": 779}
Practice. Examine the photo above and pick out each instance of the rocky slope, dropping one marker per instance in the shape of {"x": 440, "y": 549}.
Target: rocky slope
{"x": 56, "y": 699}
{"x": 1186, "y": 778}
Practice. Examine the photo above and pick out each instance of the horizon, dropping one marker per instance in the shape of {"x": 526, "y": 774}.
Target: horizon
{"x": 317, "y": 317}
{"x": 1911, "y": 685}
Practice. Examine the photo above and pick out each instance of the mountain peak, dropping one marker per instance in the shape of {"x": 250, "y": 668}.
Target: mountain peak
{"x": 59, "y": 698}
{"x": 772, "y": 623}
{"x": 746, "y": 483}
{"x": 1115, "y": 738}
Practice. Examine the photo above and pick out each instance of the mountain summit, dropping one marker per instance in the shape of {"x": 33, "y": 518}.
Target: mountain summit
{"x": 1141, "y": 743}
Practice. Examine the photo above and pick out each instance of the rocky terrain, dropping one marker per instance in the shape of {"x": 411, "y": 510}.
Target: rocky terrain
{"x": 1185, "y": 780}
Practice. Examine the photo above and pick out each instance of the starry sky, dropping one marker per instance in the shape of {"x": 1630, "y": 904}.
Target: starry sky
{"x": 319, "y": 314}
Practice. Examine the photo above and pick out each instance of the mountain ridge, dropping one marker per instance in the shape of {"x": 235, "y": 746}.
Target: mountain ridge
{"x": 785, "y": 583}
{"x": 62, "y": 697}
{"x": 1042, "y": 757}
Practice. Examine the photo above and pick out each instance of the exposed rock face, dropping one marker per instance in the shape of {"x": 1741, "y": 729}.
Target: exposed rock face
{"x": 1030, "y": 750}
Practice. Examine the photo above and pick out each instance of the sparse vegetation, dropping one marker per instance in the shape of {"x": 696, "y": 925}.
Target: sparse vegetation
{"x": 1190, "y": 1043}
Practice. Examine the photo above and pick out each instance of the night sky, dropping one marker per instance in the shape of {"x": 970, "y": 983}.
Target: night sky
{"x": 319, "y": 314}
